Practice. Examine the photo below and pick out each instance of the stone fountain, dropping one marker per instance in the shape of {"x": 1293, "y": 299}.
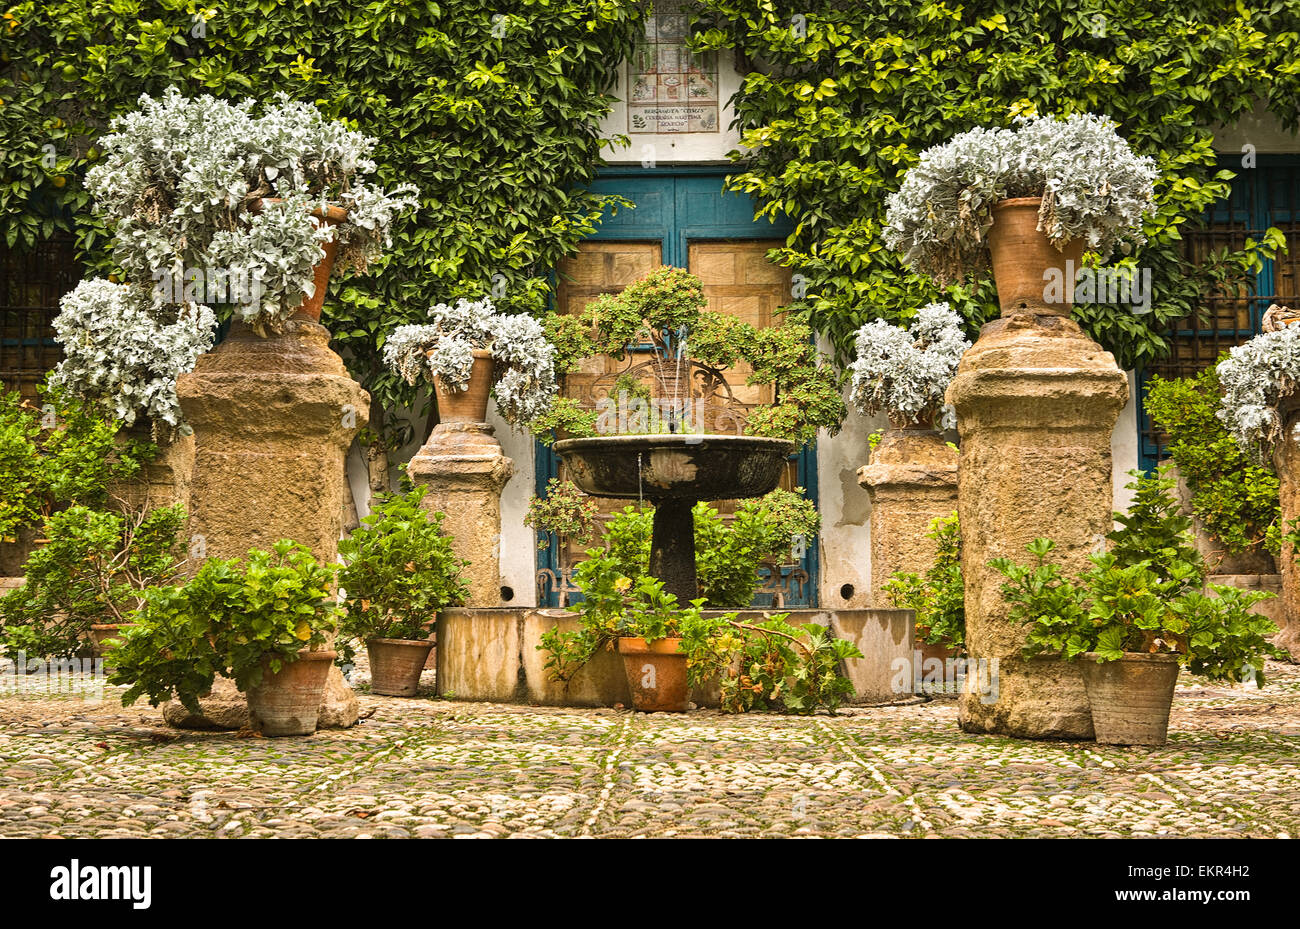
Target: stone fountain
{"x": 674, "y": 471}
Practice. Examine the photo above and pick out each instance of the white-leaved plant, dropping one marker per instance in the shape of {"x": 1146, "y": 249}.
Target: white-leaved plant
{"x": 1093, "y": 187}
{"x": 125, "y": 350}
{"x": 197, "y": 182}
{"x": 524, "y": 385}
{"x": 905, "y": 372}
{"x": 1256, "y": 377}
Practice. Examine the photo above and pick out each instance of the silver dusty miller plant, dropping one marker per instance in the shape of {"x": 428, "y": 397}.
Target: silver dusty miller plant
{"x": 203, "y": 183}
{"x": 1256, "y": 376}
{"x": 524, "y": 374}
{"x": 1092, "y": 184}
{"x": 905, "y": 372}
{"x": 124, "y": 349}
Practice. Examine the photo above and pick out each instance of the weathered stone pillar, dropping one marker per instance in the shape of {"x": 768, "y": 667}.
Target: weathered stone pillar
{"x": 1037, "y": 401}
{"x": 465, "y": 469}
{"x": 912, "y": 480}
{"x": 1286, "y": 459}
{"x": 272, "y": 421}
{"x": 165, "y": 480}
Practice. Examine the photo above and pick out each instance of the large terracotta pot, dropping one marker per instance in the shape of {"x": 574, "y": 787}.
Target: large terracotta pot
{"x": 311, "y": 306}
{"x": 395, "y": 665}
{"x": 656, "y": 674}
{"x": 287, "y": 702}
{"x": 1130, "y": 697}
{"x": 470, "y": 405}
{"x": 1022, "y": 258}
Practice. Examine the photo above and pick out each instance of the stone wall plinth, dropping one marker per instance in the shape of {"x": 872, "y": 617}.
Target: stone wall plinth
{"x": 273, "y": 419}
{"x": 1037, "y": 401}
{"x": 912, "y": 480}
{"x": 465, "y": 470}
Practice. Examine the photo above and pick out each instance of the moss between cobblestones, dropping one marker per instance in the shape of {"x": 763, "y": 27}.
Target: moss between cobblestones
{"x": 430, "y": 768}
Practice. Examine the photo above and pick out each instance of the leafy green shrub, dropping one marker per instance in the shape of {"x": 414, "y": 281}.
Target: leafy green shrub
{"x": 666, "y": 307}
{"x": 95, "y": 568}
{"x": 938, "y": 596}
{"x": 727, "y": 557}
{"x": 75, "y": 461}
{"x": 565, "y": 512}
{"x": 1235, "y": 498}
{"x": 1145, "y": 595}
{"x": 399, "y": 571}
{"x": 233, "y": 618}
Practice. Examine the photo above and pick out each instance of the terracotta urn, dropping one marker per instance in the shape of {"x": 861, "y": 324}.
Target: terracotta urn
{"x": 1026, "y": 264}
{"x": 468, "y": 405}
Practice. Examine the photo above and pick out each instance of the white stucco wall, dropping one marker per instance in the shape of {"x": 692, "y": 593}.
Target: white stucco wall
{"x": 1124, "y": 446}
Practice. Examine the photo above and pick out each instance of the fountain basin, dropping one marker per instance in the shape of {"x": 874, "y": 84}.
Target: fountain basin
{"x": 675, "y": 471}
{"x": 676, "y": 467}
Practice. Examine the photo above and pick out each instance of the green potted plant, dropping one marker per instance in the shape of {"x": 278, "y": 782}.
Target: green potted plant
{"x": 1135, "y": 615}
{"x": 767, "y": 531}
{"x": 642, "y": 621}
{"x": 938, "y": 596}
{"x": 1031, "y": 198}
{"x": 469, "y": 352}
{"x": 264, "y": 622}
{"x": 667, "y": 649}
{"x": 399, "y": 571}
{"x": 88, "y": 578}
{"x": 248, "y": 208}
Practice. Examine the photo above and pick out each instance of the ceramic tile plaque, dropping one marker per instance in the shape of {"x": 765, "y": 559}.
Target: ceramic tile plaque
{"x": 671, "y": 89}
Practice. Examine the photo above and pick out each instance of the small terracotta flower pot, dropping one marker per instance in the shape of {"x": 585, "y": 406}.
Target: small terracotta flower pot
{"x": 395, "y": 665}
{"x": 656, "y": 674}
{"x": 1025, "y": 263}
{"x": 470, "y": 405}
{"x": 287, "y": 702}
{"x": 104, "y": 636}
{"x": 1130, "y": 697}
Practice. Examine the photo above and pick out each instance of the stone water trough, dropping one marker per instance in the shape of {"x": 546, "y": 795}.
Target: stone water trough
{"x": 492, "y": 655}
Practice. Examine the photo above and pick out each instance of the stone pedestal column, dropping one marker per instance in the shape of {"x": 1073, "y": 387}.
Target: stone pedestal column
{"x": 912, "y": 480}
{"x": 165, "y": 480}
{"x": 1286, "y": 459}
{"x": 272, "y": 421}
{"x": 1037, "y": 401}
{"x": 465, "y": 469}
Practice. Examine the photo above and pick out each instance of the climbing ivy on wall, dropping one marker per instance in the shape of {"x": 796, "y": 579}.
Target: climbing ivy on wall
{"x": 843, "y": 97}
{"x": 491, "y": 109}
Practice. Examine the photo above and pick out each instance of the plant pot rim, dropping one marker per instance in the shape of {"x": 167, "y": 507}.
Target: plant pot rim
{"x": 331, "y": 212}
{"x": 1159, "y": 657}
{"x": 1017, "y": 202}
{"x": 306, "y": 654}
{"x": 376, "y": 640}
{"x": 636, "y": 644}
{"x": 110, "y": 625}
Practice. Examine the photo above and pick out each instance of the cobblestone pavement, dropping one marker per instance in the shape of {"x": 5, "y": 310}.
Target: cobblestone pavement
{"x": 425, "y": 767}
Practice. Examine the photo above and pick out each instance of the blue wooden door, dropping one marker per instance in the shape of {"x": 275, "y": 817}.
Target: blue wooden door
{"x": 687, "y": 220}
